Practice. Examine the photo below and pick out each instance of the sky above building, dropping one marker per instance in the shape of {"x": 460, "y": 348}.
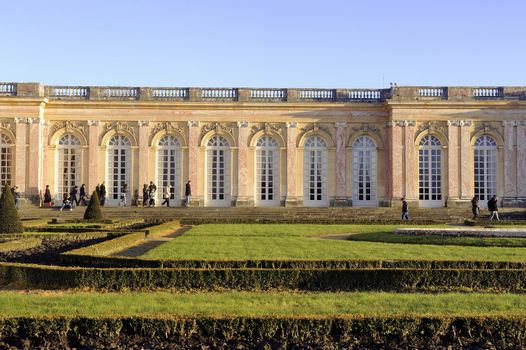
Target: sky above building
{"x": 267, "y": 43}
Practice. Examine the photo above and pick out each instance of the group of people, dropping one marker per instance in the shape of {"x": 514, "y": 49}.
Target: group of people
{"x": 76, "y": 196}
{"x": 492, "y": 207}
{"x": 149, "y": 194}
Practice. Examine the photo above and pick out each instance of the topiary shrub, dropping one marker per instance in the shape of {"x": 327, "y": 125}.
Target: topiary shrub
{"x": 93, "y": 211}
{"x": 9, "y": 220}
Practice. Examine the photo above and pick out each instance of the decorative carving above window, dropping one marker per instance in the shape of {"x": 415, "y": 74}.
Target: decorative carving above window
{"x": 267, "y": 128}
{"x": 68, "y": 125}
{"x": 431, "y": 128}
{"x": 218, "y": 128}
{"x": 169, "y": 127}
{"x": 119, "y": 126}
{"x": 486, "y": 127}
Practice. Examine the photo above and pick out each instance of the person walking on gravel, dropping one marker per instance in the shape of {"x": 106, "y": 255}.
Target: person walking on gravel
{"x": 405, "y": 209}
{"x": 492, "y": 207}
{"x": 188, "y": 193}
{"x": 475, "y": 208}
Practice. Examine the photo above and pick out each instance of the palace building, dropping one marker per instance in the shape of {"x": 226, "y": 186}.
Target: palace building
{"x": 435, "y": 146}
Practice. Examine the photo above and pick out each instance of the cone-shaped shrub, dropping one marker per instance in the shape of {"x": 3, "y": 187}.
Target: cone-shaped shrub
{"x": 93, "y": 211}
{"x": 9, "y": 220}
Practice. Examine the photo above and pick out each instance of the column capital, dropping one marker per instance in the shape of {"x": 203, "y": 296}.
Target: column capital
{"x": 511, "y": 123}
{"x": 291, "y": 125}
{"x": 93, "y": 123}
{"x": 459, "y": 123}
{"x": 143, "y": 123}
{"x": 393, "y": 123}
{"x": 242, "y": 124}
{"x": 193, "y": 123}
{"x": 341, "y": 125}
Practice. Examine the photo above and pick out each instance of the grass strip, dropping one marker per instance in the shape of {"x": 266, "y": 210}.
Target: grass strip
{"x": 20, "y": 244}
{"x": 248, "y": 304}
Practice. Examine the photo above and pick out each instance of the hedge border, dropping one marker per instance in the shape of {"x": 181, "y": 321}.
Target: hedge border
{"x": 20, "y": 244}
{"x": 403, "y": 280}
{"x": 273, "y": 332}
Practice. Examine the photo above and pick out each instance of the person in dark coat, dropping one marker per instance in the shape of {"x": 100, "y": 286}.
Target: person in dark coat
{"x": 124, "y": 192}
{"x": 187, "y": 193}
{"x": 475, "y": 208}
{"x": 16, "y": 195}
{"x": 492, "y": 207}
{"x": 152, "y": 191}
{"x": 82, "y": 195}
{"x": 102, "y": 194}
{"x": 405, "y": 209}
{"x": 145, "y": 195}
{"x": 47, "y": 196}
{"x": 73, "y": 195}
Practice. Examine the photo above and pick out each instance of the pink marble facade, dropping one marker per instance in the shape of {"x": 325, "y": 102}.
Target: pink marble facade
{"x": 466, "y": 161}
{"x": 411, "y": 161}
{"x": 193, "y": 155}
{"x": 20, "y": 155}
{"x": 93, "y": 155}
{"x": 453, "y": 131}
{"x": 34, "y": 157}
{"x": 396, "y": 156}
{"x": 510, "y": 171}
{"x": 291, "y": 162}
{"x": 341, "y": 143}
{"x": 144, "y": 155}
{"x": 521, "y": 159}
{"x": 242, "y": 161}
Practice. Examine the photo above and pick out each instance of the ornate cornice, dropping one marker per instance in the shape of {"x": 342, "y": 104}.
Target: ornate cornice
{"x": 459, "y": 123}
{"x": 393, "y": 123}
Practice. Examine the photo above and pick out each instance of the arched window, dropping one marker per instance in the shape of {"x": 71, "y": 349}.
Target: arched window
{"x": 218, "y": 172}
{"x": 485, "y": 167}
{"x": 364, "y": 172}
{"x": 430, "y": 172}
{"x": 119, "y": 167}
{"x": 69, "y": 163}
{"x": 6, "y": 160}
{"x": 169, "y": 167}
{"x": 267, "y": 172}
{"x": 315, "y": 172}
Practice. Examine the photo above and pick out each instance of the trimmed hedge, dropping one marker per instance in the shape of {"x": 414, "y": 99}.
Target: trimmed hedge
{"x": 305, "y": 220}
{"x": 9, "y": 219}
{"x": 93, "y": 210}
{"x": 20, "y": 244}
{"x": 81, "y": 257}
{"x": 401, "y": 332}
{"x": 67, "y": 236}
{"x": 403, "y": 280}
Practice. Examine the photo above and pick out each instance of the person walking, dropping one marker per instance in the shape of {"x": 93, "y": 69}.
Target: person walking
{"x": 405, "y": 209}
{"x": 145, "y": 195}
{"x": 47, "y": 196}
{"x": 166, "y": 196}
{"x": 66, "y": 202}
{"x": 102, "y": 194}
{"x": 82, "y": 195}
{"x": 16, "y": 195}
{"x": 475, "y": 208}
{"x": 493, "y": 208}
{"x": 124, "y": 191}
{"x": 73, "y": 195}
{"x": 188, "y": 193}
{"x": 152, "y": 190}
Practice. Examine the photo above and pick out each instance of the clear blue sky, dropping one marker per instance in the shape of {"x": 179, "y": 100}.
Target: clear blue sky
{"x": 265, "y": 43}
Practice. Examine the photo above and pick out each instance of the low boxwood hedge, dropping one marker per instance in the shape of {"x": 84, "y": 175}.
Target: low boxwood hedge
{"x": 401, "y": 332}
{"x": 20, "y": 244}
{"x": 403, "y": 280}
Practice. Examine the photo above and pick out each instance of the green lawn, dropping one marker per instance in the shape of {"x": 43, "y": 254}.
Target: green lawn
{"x": 242, "y": 242}
{"x": 15, "y": 304}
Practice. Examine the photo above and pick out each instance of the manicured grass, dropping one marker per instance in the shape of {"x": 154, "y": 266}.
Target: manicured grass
{"x": 14, "y": 304}
{"x": 241, "y": 242}
{"x": 388, "y": 237}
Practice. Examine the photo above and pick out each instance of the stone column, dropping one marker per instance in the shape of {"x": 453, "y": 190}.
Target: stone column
{"x": 93, "y": 155}
{"x": 45, "y": 156}
{"x": 144, "y": 156}
{"x": 465, "y": 162}
{"x": 521, "y": 163}
{"x": 34, "y": 156}
{"x": 410, "y": 162}
{"x": 453, "y": 157}
{"x": 193, "y": 155}
{"x": 510, "y": 163}
{"x": 341, "y": 150}
{"x": 395, "y": 166}
{"x": 291, "y": 199}
{"x": 20, "y": 155}
{"x": 242, "y": 166}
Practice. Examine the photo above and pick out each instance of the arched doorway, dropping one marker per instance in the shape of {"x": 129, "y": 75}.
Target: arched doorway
{"x": 218, "y": 172}
{"x": 267, "y": 172}
{"x": 315, "y": 172}
{"x": 119, "y": 167}
{"x": 364, "y": 172}
{"x": 485, "y": 168}
{"x": 68, "y": 165}
{"x": 169, "y": 168}
{"x": 430, "y": 172}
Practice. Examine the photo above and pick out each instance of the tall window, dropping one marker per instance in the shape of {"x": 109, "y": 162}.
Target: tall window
{"x": 430, "y": 172}
{"x": 364, "y": 171}
{"x": 267, "y": 165}
{"x": 6, "y": 160}
{"x": 315, "y": 172}
{"x": 218, "y": 172}
{"x": 119, "y": 157}
{"x": 169, "y": 167}
{"x": 485, "y": 156}
{"x": 68, "y": 164}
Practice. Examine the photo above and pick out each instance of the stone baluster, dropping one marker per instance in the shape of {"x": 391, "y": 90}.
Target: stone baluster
{"x": 341, "y": 155}
{"x": 193, "y": 159}
{"x": 144, "y": 155}
{"x": 242, "y": 164}
{"x": 93, "y": 156}
{"x": 291, "y": 199}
